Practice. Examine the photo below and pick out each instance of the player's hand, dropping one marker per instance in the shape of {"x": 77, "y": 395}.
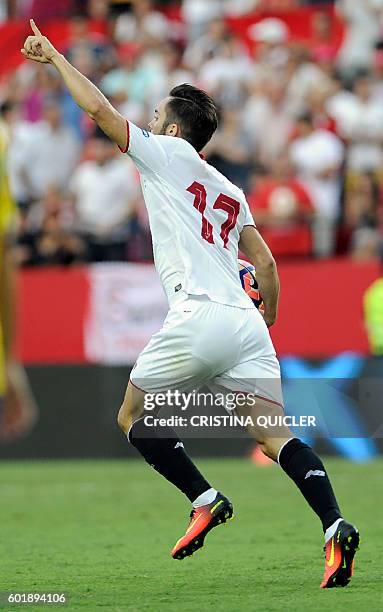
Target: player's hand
{"x": 38, "y": 48}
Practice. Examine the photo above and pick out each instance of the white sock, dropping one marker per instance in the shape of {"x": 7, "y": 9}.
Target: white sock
{"x": 205, "y": 498}
{"x": 331, "y": 530}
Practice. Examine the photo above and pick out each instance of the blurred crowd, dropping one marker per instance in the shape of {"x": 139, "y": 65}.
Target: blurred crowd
{"x": 301, "y": 126}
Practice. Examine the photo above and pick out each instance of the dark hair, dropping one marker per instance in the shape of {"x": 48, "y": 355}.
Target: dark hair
{"x": 195, "y": 112}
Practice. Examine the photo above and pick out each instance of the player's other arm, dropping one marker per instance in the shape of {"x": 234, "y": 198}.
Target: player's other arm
{"x": 256, "y": 250}
{"x": 39, "y": 49}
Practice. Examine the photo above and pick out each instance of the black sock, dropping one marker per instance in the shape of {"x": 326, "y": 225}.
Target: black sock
{"x": 307, "y": 471}
{"x": 164, "y": 451}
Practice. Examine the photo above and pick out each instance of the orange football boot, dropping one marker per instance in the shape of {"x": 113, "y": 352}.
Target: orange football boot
{"x": 340, "y": 552}
{"x": 202, "y": 520}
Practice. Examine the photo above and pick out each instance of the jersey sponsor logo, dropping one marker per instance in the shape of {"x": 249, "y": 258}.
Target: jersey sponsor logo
{"x": 145, "y": 133}
{"x": 315, "y": 473}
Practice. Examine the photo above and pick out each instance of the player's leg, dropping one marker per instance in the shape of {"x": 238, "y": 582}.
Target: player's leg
{"x": 164, "y": 451}
{"x": 171, "y": 355}
{"x": 307, "y": 471}
{"x": 297, "y": 459}
{"x": 258, "y": 372}
{"x": 161, "y": 448}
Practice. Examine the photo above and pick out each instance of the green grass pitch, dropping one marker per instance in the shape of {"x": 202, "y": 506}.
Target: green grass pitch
{"x": 101, "y": 531}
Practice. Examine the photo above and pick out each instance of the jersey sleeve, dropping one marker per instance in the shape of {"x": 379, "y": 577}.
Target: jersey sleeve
{"x": 148, "y": 151}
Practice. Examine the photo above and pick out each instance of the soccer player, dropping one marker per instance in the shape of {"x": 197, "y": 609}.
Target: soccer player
{"x": 212, "y": 335}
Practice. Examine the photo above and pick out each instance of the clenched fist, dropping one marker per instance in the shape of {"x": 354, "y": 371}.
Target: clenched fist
{"x": 38, "y": 47}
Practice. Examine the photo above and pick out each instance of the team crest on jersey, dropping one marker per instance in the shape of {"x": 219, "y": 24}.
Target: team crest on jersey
{"x": 145, "y": 133}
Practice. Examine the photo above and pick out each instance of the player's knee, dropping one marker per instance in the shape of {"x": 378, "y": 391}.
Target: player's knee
{"x": 269, "y": 448}
{"x": 122, "y": 419}
{"x": 127, "y": 415}
{"x": 271, "y": 444}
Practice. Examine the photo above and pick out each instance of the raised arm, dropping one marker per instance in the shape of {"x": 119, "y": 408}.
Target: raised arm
{"x": 39, "y": 49}
{"x": 257, "y": 251}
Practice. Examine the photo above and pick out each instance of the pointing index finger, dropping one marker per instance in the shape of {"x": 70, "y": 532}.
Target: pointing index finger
{"x": 34, "y": 27}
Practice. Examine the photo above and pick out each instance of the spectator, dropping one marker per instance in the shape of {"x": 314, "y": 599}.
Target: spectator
{"x": 39, "y": 83}
{"x": 42, "y": 82}
{"x": 173, "y": 72}
{"x": 317, "y": 155}
{"x": 51, "y": 155}
{"x": 303, "y": 77}
{"x": 54, "y": 204}
{"x": 105, "y": 190}
{"x": 230, "y": 149}
{"x": 283, "y": 209}
{"x": 93, "y": 45}
{"x": 208, "y": 45}
{"x": 316, "y": 104}
{"x": 366, "y": 244}
{"x": 143, "y": 26}
{"x": 50, "y": 246}
{"x": 48, "y": 235}
{"x": 227, "y": 74}
{"x": 361, "y": 125}
{"x": 363, "y": 23}
{"x": 362, "y": 201}
{"x": 20, "y": 139}
{"x": 131, "y": 78}
{"x": 339, "y": 99}
{"x": 198, "y": 13}
{"x": 270, "y": 49}
{"x": 362, "y": 204}
{"x": 270, "y": 115}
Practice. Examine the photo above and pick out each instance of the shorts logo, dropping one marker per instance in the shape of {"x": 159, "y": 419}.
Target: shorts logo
{"x": 314, "y": 473}
{"x": 145, "y": 133}
{"x": 178, "y": 288}
{"x": 179, "y": 445}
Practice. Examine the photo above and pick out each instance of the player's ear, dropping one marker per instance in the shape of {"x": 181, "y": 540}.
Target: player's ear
{"x": 172, "y": 130}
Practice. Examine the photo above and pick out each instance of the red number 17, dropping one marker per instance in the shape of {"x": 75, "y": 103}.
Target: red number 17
{"x": 223, "y": 202}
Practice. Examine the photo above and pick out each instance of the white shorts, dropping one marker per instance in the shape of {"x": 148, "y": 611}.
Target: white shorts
{"x": 204, "y": 343}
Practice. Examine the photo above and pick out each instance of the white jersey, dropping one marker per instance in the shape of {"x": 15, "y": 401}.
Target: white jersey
{"x": 196, "y": 217}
